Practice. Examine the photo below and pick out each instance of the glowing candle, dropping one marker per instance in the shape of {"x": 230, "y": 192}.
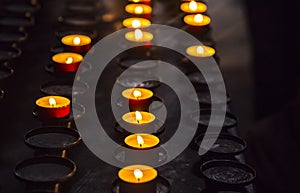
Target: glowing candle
{"x": 138, "y": 117}
{"x": 135, "y": 22}
{"x": 139, "y": 36}
{"x": 139, "y": 9}
{"x": 197, "y": 20}
{"x": 67, "y": 62}
{"x": 137, "y": 174}
{"x": 146, "y": 2}
{"x": 193, "y": 7}
{"x": 200, "y": 51}
{"x": 77, "y": 43}
{"x": 53, "y": 106}
{"x": 141, "y": 141}
{"x": 139, "y": 98}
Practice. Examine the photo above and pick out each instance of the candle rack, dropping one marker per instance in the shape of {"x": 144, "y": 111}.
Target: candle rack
{"x": 8, "y": 53}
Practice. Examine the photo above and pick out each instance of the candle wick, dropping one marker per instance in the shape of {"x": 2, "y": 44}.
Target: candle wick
{"x": 138, "y": 121}
{"x": 138, "y": 179}
{"x": 140, "y": 145}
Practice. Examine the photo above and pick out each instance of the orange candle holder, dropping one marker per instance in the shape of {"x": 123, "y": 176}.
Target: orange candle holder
{"x": 66, "y": 62}
{"x": 198, "y": 25}
{"x": 53, "y": 107}
{"x": 193, "y": 7}
{"x": 141, "y": 141}
{"x": 136, "y": 22}
{"x": 139, "y": 9}
{"x": 137, "y": 178}
{"x": 146, "y": 2}
{"x": 77, "y": 43}
{"x": 139, "y": 98}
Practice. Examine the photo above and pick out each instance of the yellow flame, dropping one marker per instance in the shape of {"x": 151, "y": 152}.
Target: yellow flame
{"x": 69, "y": 60}
{"x": 137, "y": 93}
{"x": 140, "y": 140}
{"x": 193, "y": 6}
{"x": 136, "y": 1}
{"x": 138, "y": 34}
{"x": 200, "y": 50}
{"x": 138, "y": 116}
{"x": 136, "y": 23}
{"x": 76, "y": 41}
{"x": 138, "y": 10}
{"x": 138, "y": 174}
{"x": 52, "y": 101}
{"x": 198, "y": 18}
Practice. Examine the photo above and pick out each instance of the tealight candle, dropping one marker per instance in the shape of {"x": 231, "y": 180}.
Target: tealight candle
{"x": 77, "y": 43}
{"x": 197, "y": 20}
{"x": 141, "y": 141}
{"x": 139, "y": 98}
{"x": 139, "y": 36}
{"x": 136, "y": 22}
{"x": 67, "y": 62}
{"x": 139, "y": 9}
{"x": 200, "y": 51}
{"x": 138, "y": 117}
{"x": 53, "y": 106}
{"x": 138, "y": 178}
{"x": 193, "y": 7}
{"x": 146, "y": 2}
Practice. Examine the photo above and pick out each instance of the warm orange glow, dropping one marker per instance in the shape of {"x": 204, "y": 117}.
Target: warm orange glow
{"x": 69, "y": 60}
{"x": 200, "y": 51}
{"x": 197, "y": 19}
{"x": 138, "y": 174}
{"x": 140, "y": 140}
{"x": 52, "y": 101}
{"x": 138, "y": 9}
{"x": 76, "y": 40}
{"x": 137, "y": 93}
{"x": 138, "y": 116}
{"x": 193, "y": 6}
{"x": 136, "y": 23}
{"x": 139, "y": 36}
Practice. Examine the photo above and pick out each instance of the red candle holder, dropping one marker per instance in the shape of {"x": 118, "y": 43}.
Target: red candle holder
{"x": 53, "y": 107}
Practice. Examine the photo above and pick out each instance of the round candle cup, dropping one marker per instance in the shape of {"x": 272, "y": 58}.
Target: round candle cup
{"x": 53, "y": 107}
{"x": 197, "y": 20}
{"x": 139, "y": 9}
{"x": 193, "y": 7}
{"x": 135, "y": 22}
{"x": 139, "y": 36}
{"x": 141, "y": 141}
{"x": 139, "y": 98}
{"x": 146, "y": 2}
{"x": 137, "y": 178}
{"x": 77, "y": 43}
{"x": 200, "y": 51}
{"x": 66, "y": 62}
{"x": 138, "y": 118}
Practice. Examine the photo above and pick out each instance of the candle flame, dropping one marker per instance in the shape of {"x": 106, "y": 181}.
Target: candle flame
{"x": 200, "y": 50}
{"x": 76, "y": 40}
{"x": 136, "y": 1}
{"x": 138, "y": 34}
{"x": 138, "y": 116}
{"x": 69, "y": 60}
{"x": 52, "y": 101}
{"x": 138, "y": 174}
{"x": 137, "y": 93}
{"x": 140, "y": 140}
{"x": 138, "y": 10}
{"x": 198, "y": 18}
{"x": 193, "y": 6}
{"x": 136, "y": 23}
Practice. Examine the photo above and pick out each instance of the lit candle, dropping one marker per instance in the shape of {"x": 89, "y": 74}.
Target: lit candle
{"x": 67, "y": 62}
{"x": 137, "y": 179}
{"x": 53, "y": 106}
{"x": 193, "y": 7}
{"x": 197, "y": 20}
{"x": 77, "y": 43}
{"x": 141, "y": 141}
{"x": 200, "y": 51}
{"x": 135, "y": 22}
{"x": 138, "y": 117}
{"x": 139, "y": 36}
{"x": 139, "y": 9}
{"x": 146, "y": 2}
{"x": 139, "y": 98}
